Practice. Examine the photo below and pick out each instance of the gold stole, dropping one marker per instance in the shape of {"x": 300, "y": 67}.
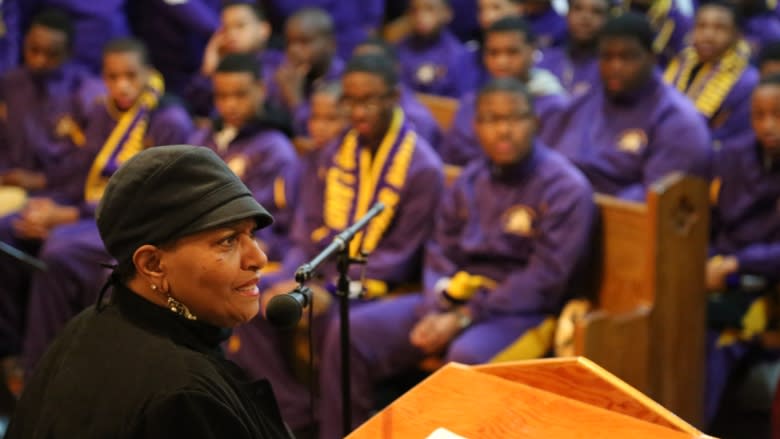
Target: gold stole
{"x": 125, "y": 140}
{"x": 354, "y": 181}
{"x": 713, "y": 81}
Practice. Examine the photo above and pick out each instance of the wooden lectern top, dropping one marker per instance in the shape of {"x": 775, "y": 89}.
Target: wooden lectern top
{"x": 475, "y": 404}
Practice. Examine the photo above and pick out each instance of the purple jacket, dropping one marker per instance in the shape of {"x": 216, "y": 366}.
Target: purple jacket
{"x": 577, "y": 72}
{"x": 526, "y": 228}
{"x": 623, "y": 147}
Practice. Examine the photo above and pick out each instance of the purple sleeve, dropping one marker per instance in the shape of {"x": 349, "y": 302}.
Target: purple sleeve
{"x": 681, "y": 144}
{"x": 397, "y": 259}
{"x": 762, "y": 259}
{"x": 196, "y": 15}
{"x": 561, "y": 240}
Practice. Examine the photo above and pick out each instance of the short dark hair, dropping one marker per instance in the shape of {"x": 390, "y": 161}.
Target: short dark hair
{"x": 332, "y": 88}
{"x": 128, "y": 45}
{"x": 731, "y": 8}
{"x": 630, "y": 25}
{"x": 375, "y": 64}
{"x": 769, "y": 52}
{"x": 382, "y": 45}
{"x": 773, "y": 79}
{"x": 507, "y": 85}
{"x": 239, "y": 63}
{"x": 58, "y": 20}
{"x": 317, "y": 19}
{"x": 256, "y": 9}
{"x": 513, "y": 24}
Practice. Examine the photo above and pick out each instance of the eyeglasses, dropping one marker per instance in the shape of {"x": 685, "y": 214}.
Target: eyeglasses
{"x": 509, "y": 118}
{"x": 369, "y": 104}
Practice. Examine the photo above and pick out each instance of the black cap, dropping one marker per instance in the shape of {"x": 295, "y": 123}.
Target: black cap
{"x": 167, "y": 192}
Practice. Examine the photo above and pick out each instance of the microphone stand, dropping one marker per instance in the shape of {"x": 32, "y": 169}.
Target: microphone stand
{"x": 340, "y": 247}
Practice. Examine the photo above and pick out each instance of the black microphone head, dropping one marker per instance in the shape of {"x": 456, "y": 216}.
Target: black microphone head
{"x": 284, "y": 311}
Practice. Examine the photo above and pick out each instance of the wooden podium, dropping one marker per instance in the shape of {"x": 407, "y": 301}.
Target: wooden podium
{"x": 551, "y": 398}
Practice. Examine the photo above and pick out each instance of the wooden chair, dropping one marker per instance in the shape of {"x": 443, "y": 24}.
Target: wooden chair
{"x": 647, "y": 323}
{"x": 442, "y": 108}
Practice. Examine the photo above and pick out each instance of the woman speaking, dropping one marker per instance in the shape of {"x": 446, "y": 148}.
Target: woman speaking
{"x": 148, "y": 363}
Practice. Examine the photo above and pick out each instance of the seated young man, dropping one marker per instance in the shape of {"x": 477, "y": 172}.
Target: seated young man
{"x": 418, "y": 115}
{"x": 634, "y": 129}
{"x": 508, "y": 53}
{"x": 45, "y": 103}
{"x": 252, "y": 139}
{"x": 744, "y": 266}
{"x": 432, "y": 59}
{"x": 761, "y": 23}
{"x": 310, "y": 56}
{"x": 243, "y": 29}
{"x": 508, "y": 237}
{"x": 575, "y": 63}
{"x": 133, "y": 116}
{"x": 379, "y": 159}
{"x": 715, "y": 73}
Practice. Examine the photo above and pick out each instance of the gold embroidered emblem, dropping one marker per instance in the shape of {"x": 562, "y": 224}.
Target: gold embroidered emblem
{"x": 238, "y": 165}
{"x": 519, "y": 220}
{"x": 68, "y": 128}
{"x": 426, "y": 73}
{"x": 632, "y": 140}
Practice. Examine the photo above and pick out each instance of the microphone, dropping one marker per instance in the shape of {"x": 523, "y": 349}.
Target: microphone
{"x": 285, "y": 310}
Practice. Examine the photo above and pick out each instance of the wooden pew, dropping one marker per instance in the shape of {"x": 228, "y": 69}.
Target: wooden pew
{"x": 443, "y": 110}
{"x": 647, "y": 322}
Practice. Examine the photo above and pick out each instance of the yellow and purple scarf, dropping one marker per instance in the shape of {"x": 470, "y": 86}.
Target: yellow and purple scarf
{"x": 713, "y": 81}
{"x": 125, "y": 140}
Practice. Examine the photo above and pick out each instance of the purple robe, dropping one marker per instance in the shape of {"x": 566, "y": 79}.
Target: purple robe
{"x": 95, "y": 24}
{"x": 45, "y": 122}
{"x": 460, "y": 145}
{"x": 395, "y": 261}
{"x": 577, "y": 71}
{"x": 478, "y": 230}
{"x": 623, "y": 147}
{"x": 176, "y": 34}
{"x": 270, "y": 170}
{"x": 353, "y": 21}
{"x": 73, "y": 253}
{"x": 439, "y": 67}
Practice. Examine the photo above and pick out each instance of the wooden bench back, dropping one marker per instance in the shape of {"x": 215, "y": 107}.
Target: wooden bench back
{"x": 648, "y": 326}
